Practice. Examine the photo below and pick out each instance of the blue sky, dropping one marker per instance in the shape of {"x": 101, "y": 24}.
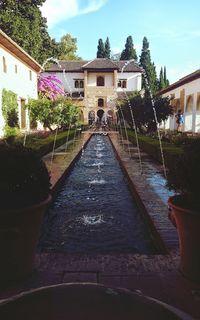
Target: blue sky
{"x": 171, "y": 26}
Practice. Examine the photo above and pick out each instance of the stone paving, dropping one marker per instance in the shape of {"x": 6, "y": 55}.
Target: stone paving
{"x": 152, "y": 275}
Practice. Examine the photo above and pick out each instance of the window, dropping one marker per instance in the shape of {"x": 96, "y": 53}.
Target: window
{"x": 16, "y": 68}
{"x": 100, "y": 102}
{"x": 122, "y": 83}
{"x": 30, "y": 74}
{"x": 4, "y": 65}
{"x": 100, "y": 81}
{"x": 78, "y": 83}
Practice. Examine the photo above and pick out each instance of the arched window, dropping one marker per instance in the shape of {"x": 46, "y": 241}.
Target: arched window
{"x": 100, "y": 102}
{"x": 4, "y": 65}
{"x": 189, "y": 103}
{"x": 76, "y": 84}
{"x": 119, "y": 84}
{"x": 100, "y": 81}
{"x": 81, "y": 84}
{"x": 124, "y": 84}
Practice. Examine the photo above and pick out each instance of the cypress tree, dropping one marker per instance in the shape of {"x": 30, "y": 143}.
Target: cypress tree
{"x": 107, "y": 51}
{"x": 166, "y": 81}
{"x": 100, "y": 49}
{"x": 129, "y": 52}
{"x": 149, "y": 68}
{"x": 162, "y": 84}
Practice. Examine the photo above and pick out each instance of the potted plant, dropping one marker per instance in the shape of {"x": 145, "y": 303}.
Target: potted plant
{"x": 24, "y": 196}
{"x": 184, "y": 178}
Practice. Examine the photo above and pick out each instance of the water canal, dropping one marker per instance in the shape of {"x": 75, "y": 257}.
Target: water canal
{"x": 94, "y": 211}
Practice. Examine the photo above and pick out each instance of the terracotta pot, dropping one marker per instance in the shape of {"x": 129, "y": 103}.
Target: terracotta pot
{"x": 187, "y": 223}
{"x": 19, "y": 231}
{"x": 86, "y": 301}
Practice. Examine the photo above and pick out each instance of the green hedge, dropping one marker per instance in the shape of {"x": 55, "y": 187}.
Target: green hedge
{"x": 152, "y": 147}
{"x": 45, "y": 145}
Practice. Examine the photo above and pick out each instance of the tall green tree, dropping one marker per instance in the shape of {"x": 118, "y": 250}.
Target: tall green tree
{"x": 107, "y": 51}
{"x": 143, "y": 113}
{"x": 161, "y": 80}
{"x": 23, "y": 22}
{"x": 100, "y": 49}
{"x": 166, "y": 81}
{"x": 66, "y": 48}
{"x": 149, "y": 79}
{"x": 129, "y": 52}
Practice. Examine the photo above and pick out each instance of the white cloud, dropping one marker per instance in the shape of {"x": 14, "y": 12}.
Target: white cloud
{"x": 59, "y": 10}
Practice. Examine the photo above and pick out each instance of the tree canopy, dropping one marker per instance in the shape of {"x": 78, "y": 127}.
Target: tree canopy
{"x": 23, "y": 22}
{"x": 143, "y": 112}
{"x": 149, "y": 80}
{"x": 107, "y": 48}
{"x": 59, "y": 112}
{"x": 129, "y": 52}
{"x": 100, "y": 49}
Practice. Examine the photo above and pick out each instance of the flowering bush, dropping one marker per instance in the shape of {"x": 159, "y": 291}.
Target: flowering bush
{"x": 50, "y": 86}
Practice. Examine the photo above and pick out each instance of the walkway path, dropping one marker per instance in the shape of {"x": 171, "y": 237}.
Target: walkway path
{"x": 153, "y": 275}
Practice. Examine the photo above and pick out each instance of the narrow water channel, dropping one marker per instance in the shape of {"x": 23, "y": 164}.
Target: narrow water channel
{"x": 94, "y": 212}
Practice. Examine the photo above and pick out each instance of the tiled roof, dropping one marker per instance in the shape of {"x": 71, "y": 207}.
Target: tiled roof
{"x": 100, "y": 64}
{"x": 68, "y": 66}
{"x": 190, "y": 77}
{"x": 127, "y": 66}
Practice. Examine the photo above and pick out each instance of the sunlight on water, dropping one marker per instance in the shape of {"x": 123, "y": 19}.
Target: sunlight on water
{"x": 97, "y": 164}
{"x": 92, "y": 220}
{"x": 95, "y": 181}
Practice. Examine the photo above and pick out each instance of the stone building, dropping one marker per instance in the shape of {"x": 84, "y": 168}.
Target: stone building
{"x": 96, "y": 84}
{"x": 18, "y": 73}
{"x": 185, "y": 95}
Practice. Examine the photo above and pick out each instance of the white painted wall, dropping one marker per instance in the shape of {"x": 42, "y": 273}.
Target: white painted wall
{"x": 19, "y": 82}
{"x": 108, "y": 78}
{"x": 133, "y": 81}
{"x": 192, "y": 118}
{"x": 68, "y": 79}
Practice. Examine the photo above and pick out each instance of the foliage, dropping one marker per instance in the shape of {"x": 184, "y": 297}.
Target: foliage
{"x": 129, "y": 52}
{"x": 42, "y": 141}
{"x": 59, "y": 112}
{"x": 100, "y": 49}
{"x": 166, "y": 81}
{"x": 24, "y": 180}
{"x": 66, "y": 48}
{"x": 143, "y": 111}
{"x": 149, "y": 69}
{"x": 10, "y": 133}
{"x": 107, "y": 48}
{"x": 184, "y": 175}
{"x": 163, "y": 81}
{"x": 50, "y": 86}
{"x": 23, "y": 22}
{"x": 10, "y": 108}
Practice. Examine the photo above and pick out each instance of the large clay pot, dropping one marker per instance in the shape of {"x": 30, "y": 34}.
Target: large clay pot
{"x": 187, "y": 223}
{"x": 86, "y": 301}
{"x": 19, "y": 231}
